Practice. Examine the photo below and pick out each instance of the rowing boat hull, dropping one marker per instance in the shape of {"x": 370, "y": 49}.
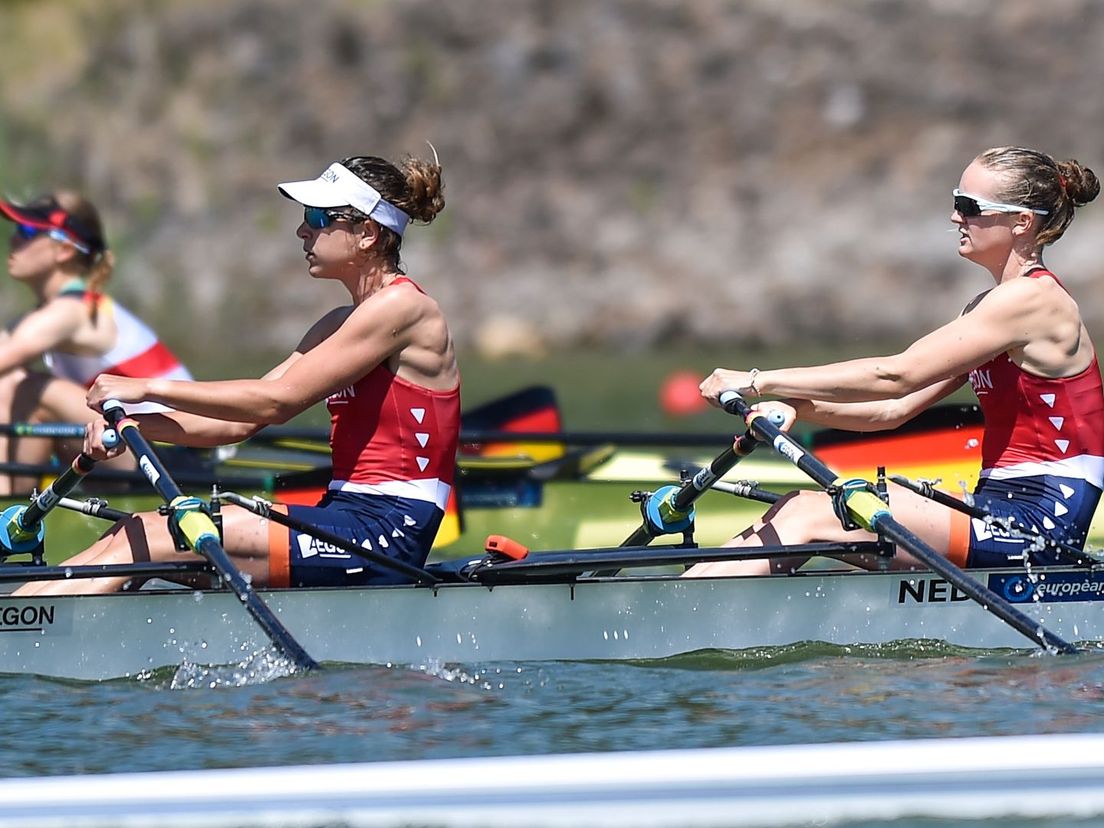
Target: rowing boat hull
{"x": 621, "y": 618}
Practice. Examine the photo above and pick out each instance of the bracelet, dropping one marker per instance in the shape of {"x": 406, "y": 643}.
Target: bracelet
{"x": 751, "y": 381}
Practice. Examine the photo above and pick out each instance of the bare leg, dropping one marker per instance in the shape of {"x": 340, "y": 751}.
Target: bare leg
{"x": 14, "y": 388}
{"x": 808, "y": 517}
{"x": 145, "y": 537}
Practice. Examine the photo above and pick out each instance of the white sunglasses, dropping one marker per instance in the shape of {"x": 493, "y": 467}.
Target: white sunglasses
{"x": 970, "y": 205}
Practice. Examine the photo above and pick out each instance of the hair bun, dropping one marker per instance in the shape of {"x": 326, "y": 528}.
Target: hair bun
{"x": 426, "y": 188}
{"x": 1079, "y": 182}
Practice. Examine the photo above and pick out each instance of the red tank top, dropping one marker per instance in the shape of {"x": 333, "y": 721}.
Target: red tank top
{"x": 1035, "y": 425}
{"x": 390, "y": 436}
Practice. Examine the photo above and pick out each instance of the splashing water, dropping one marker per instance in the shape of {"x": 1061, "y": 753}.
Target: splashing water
{"x": 258, "y": 667}
{"x": 489, "y": 679}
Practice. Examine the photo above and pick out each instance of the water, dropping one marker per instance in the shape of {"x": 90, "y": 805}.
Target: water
{"x": 193, "y": 718}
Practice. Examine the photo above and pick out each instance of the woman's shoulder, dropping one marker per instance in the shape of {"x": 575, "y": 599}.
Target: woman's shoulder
{"x": 1037, "y": 284}
{"x": 62, "y": 308}
{"x": 401, "y": 295}
{"x": 1024, "y": 297}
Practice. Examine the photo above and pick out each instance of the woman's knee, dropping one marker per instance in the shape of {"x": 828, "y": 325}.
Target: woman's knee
{"x": 803, "y": 516}
{"x": 10, "y": 382}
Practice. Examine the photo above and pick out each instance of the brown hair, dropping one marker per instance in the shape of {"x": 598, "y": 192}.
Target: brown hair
{"x": 414, "y": 186}
{"x": 1036, "y": 180}
{"x": 98, "y": 263}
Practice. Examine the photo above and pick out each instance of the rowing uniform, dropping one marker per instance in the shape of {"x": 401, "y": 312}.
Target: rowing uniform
{"x": 137, "y": 351}
{"x": 394, "y": 461}
{"x": 1042, "y": 461}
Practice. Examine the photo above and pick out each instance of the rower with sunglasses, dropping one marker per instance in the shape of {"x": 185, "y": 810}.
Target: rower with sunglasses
{"x": 1026, "y": 353}
{"x": 58, "y": 250}
{"x": 384, "y": 364}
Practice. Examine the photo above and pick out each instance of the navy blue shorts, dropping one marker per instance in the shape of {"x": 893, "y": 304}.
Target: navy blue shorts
{"x": 1058, "y": 508}
{"x": 397, "y": 527}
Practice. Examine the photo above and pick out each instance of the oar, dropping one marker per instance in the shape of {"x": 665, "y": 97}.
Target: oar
{"x": 925, "y": 489}
{"x": 46, "y": 430}
{"x": 202, "y": 536}
{"x": 669, "y": 509}
{"x": 868, "y": 510}
{"x": 21, "y": 528}
{"x": 263, "y": 508}
{"x": 264, "y": 482}
{"x": 316, "y": 439}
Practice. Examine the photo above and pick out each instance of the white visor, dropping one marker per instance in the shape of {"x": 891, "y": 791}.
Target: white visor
{"x": 340, "y": 187}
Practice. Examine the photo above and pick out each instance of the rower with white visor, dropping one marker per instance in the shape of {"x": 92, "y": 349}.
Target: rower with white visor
{"x": 385, "y": 366}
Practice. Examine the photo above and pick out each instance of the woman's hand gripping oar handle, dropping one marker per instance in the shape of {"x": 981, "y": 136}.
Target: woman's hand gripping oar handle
{"x": 859, "y": 502}
{"x": 198, "y": 530}
{"x": 21, "y": 527}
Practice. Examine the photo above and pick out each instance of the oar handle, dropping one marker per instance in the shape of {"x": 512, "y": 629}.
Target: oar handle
{"x": 763, "y": 428}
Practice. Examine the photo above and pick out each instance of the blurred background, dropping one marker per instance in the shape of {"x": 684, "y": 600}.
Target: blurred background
{"x": 637, "y": 189}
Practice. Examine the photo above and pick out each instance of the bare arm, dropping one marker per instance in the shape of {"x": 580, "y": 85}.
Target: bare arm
{"x": 184, "y": 429}
{"x": 39, "y": 331}
{"x": 878, "y": 415}
{"x": 373, "y": 331}
{"x": 1008, "y": 317}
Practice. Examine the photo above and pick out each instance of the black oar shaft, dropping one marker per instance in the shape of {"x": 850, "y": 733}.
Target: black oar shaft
{"x": 264, "y": 482}
{"x": 65, "y": 483}
{"x": 21, "y": 529}
{"x": 892, "y": 530}
{"x": 872, "y": 513}
{"x": 202, "y": 536}
{"x": 691, "y": 490}
{"x": 688, "y": 493}
{"x": 45, "y": 430}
